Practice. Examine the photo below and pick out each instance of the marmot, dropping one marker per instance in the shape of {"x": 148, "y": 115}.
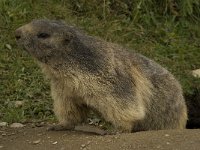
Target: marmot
{"x": 129, "y": 90}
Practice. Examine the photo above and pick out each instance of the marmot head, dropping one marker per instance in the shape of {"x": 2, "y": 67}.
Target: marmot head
{"x": 45, "y": 39}
{"x": 60, "y": 45}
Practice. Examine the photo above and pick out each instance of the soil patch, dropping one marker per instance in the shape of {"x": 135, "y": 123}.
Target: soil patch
{"x": 38, "y": 138}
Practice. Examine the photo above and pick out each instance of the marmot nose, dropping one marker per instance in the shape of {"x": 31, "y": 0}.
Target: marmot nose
{"x": 18, "y": 34}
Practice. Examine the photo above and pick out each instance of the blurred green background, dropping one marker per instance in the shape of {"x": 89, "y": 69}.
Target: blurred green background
{"x": 168, "y": 31}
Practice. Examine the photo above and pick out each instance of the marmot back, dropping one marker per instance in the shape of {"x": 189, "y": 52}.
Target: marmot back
{"x": 129, "y": 90}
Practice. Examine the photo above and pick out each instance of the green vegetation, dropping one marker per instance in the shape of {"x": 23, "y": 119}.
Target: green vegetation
{"x": 167, "y": 31}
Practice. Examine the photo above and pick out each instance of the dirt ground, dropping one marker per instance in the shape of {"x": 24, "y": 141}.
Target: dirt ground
{"x": 37, "y": 138}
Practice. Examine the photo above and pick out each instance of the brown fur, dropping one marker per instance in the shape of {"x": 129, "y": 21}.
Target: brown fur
{"x": 129, "y": 90}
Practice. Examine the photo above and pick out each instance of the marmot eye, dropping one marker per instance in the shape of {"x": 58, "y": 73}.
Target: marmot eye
{"x": 43, "y": 35}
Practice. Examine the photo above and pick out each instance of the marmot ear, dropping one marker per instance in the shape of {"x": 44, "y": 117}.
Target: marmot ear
{"x": 68, "y": 37}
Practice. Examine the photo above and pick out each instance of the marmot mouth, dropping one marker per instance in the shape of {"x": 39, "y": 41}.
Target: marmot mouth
{"x": 17, "y": 37}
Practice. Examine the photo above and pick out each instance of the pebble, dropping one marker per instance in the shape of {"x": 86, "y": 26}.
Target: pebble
{"x": 166, "y": 135}
{"x": 37, "y": 141}
{"x": 196, "y": 73}
{"x": 54, "y": 143}
{"x": 83, "y": 145}
{"x": 1, "y": 146}
{"x": 3, "y": 124}
{"x": 16, "y": 125}
{"x": 158, "y": 146}
{"x": 88, "y": 142}
{"x": 8, "y": 46}
{"x": 19, "y": 104}
{"x": 116, "y": 137}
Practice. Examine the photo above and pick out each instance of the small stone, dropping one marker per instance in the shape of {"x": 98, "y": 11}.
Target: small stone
{"x": 54, "y": 143}
{"x": 167, "y": 143}
{"x": 41, "y": 124}
{"x": 3, "y": 134}
{"x": 196, "y": 73}
{"x": 8, "y": 46}
{"x": 83, "y": 145}
{"x": 17, "y": 125}
{"x": 158, "y": 146}
{"x": 19, "y": 104}
{"x": 88, "y": 142}
{"x": 116, "y": 137}
{"x": 94, "y": 121}
{"x": 166, "y": 135}
{"x": 37, "y": 141}
{"x": 3, "y": 124}
{"x": 1, "y": 146}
